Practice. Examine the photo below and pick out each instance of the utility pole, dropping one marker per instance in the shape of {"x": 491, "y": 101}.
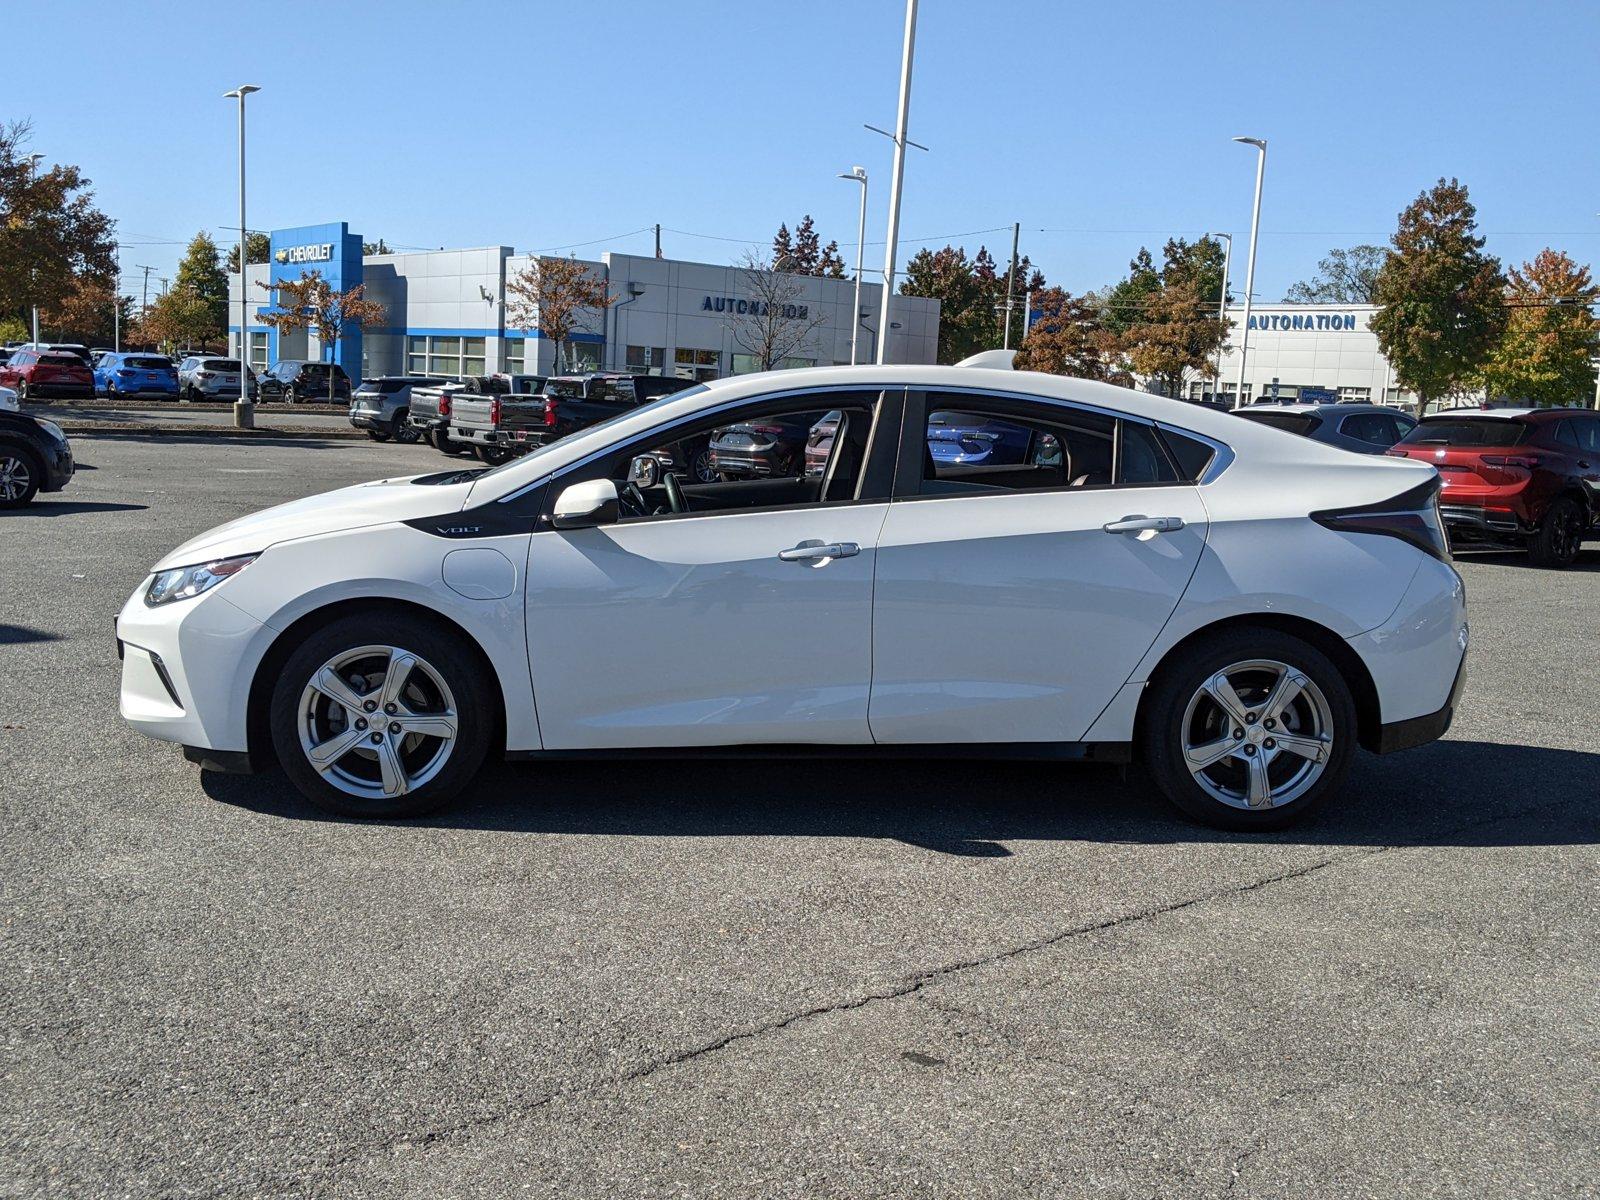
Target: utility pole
{"x": 1011, "y": 281}
{"x": 144, "y": 298}
{"x": 658, "y": 239}
{"x": 897, "y": 181}
{"x": 859, "y": 175}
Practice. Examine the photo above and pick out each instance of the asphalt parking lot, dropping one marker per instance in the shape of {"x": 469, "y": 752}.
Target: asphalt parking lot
{"x": 846, "y": 979}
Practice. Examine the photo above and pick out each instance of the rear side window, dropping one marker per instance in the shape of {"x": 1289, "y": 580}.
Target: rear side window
{"x": 1588, "y": 433}
{"x": 1373, "y": 428}
{"x": 1142, "y": 459}
{"x": 1190, "y": 454}
{"x": 1468, "y": 432}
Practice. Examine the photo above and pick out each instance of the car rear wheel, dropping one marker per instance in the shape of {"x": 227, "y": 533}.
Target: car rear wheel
{"x": 381, "y": 718}
{"x": 20, "y": 475}
{"x": 402, "y": 429}
{"x": 1560, "y": 535}
{"x": 491, "y": 455}
{"x": 1250, "y": 730}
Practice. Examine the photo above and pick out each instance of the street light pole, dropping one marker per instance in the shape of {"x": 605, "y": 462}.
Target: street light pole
{"x": 859, "y": 174}
{"x": 1250, "y": 270}
{"x": 897, "y": 180}
{"x": 1222, "y": 311}
{"x": 33, "y": 169}
{"x": 244, "y": 414}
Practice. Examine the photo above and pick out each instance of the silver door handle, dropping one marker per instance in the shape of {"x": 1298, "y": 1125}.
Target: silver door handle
{"x": 807, "y": 551}
{"x": 1139, "y": 524}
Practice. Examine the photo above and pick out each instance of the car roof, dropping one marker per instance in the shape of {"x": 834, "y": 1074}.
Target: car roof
{"x": 1325, "y": 406}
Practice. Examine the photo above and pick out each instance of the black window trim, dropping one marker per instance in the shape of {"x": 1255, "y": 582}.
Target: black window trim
{"x": 908, "y": 472}
{"x": 876, "y": 478}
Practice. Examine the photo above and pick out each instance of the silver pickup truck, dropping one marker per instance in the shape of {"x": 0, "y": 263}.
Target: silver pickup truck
{"x": 486, "y": 418}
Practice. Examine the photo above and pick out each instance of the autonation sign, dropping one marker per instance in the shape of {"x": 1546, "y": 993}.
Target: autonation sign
{"x": 316, "y": 252}
{"x": 755, "y": 308}
{"x": 1333, "y": 322}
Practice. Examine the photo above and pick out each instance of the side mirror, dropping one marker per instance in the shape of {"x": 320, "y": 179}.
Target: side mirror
{"x": 585, "y": 505}
{"x": 645, "y": 471}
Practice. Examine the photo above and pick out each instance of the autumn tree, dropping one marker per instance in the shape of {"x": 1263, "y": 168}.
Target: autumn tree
{"x": 259, "y": 246}
{"x": 1166, "y": 318}
{"x": 180, "y": 316}
{"x": 1443, "y": 305}
{"x": 1068, "y": 337}
{"x": 1546, "y": 354}
{"x": 971, "y": 294}
{"x": 1343, "y": 277}
{"x": 57, "y": 250}
{"x": 310, "y": 302}
{"x": 557, "y": 297}
{"x": 377, "y": 247}
{"x": 772, "y": 320}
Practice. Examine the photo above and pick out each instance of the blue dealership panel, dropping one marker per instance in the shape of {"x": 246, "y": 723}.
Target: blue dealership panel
{"x": 336, "y": 252}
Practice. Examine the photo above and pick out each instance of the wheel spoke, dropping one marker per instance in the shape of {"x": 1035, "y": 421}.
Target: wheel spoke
{"x": 1210, "y": 753}
{"x": 439, "y": 725}
{"x": 336, "y": 689}
{"x": 1260, "y": 792}
{"x": 1220, "y": 689}
{"x": 394, "y": 680}
{"x": 1283, "y": 694}
{"x": 395, "y": 782}
{"x": 1315, "y": 749}
{"x": 325, "y": 754}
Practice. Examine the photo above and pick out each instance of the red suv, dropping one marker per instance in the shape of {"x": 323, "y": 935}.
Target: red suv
{"x": 1519, "y": 476}
{"x": 39, "y": 373}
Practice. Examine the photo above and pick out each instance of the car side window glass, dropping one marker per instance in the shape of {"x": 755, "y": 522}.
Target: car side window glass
{"x": 971, "y": 448}
{"x": 1372, "y": 428}
{"x": 1589, "y": 434}
{"x": 1143, "y": 460}
{"x": 1567, "y": 435}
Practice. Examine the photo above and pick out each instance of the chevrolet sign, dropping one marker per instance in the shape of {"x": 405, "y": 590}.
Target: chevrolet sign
{"x": 317, "y": 252}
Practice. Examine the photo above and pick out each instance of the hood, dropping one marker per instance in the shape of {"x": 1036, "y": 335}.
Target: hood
{"x": 381, "y": 502}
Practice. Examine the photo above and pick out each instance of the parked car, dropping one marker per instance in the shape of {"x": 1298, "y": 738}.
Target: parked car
{"x": 382, "y": 406}
{"x": 430, "y": 413}
{"x": 958, "y": 437}
{"x": 1236, "y": 609}
{"x": 76, "y": 349}
{"x": 135, "y": 375}
{"x": 564, "y": 405}
{"x": 37, "y": 374}
{"x": 8, "y": 400}
{"x": 819, "y": 443}
{"x": 34, "y": 458}
{"x": 768, "y": 448}
{"x": 1523, "y": 477}
{"x": 498, "y": 416}
{"x": 298, "y": 381}
{"x": 1362, "y": 428}
{"x": 203, "y": 377}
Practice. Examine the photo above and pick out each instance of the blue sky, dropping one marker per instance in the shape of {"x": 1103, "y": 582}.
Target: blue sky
{"x": 542, "y": 125}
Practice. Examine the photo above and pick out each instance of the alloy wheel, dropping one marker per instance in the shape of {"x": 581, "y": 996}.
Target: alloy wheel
{"x": 1568, "y": 531}
{"x": 1257, "y": 734}
{"x": 377, "y": 721}
{"x": 15, "y": 477}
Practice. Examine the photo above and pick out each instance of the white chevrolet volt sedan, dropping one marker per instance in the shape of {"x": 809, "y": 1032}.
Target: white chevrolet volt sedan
{"x": 988, "y": 562}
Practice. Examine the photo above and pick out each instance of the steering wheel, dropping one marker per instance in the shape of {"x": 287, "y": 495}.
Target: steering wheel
{"x": 632, "y": 499}
{"x": 675, "y": 500}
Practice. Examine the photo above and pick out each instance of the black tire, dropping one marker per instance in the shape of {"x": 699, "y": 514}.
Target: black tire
{"x": 440, "y": 440}
{"x": 695, "y": 457}
{"x": 447, "y": 652}
{"x": 1560, "y": 534}
{"x": 1178, "y": 682}
{"x": 378, "y": 435}
{"x": 402, "y": 430}
{"x": 491, "y": 456}
{"x": 21, "y": 472}
{"x": 22, "y": 391}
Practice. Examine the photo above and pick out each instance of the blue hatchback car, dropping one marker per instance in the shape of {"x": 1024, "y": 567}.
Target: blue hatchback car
{"x": 132, "y": 374}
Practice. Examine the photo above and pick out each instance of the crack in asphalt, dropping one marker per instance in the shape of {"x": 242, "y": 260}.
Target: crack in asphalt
{"x": 907, "y": 986}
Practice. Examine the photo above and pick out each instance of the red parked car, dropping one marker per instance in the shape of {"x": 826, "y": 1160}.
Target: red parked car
{"x": 1525, "y": 477}
{"x": 36, "y": 374}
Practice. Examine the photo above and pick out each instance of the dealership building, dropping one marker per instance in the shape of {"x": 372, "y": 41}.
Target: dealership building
{"x": 1304, "y": 351}
{"x": 447, "y": 314}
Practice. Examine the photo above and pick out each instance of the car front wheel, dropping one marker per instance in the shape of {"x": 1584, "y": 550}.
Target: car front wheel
{"x": 19, "y": 477}
{"x": 1560, "y": 535}
{"x": 382, "y": 717}
{"x": 1250, "y": 730}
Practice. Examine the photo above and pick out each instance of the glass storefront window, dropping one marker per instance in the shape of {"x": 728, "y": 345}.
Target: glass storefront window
{"x": 646, "y": 360}
{"x": 513, "y": 354}
{"x": 698, "y": 365}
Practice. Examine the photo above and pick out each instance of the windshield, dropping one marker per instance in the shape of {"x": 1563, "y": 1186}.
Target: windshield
{"x": 1468, "y": 431}
{"x": 150, "y": 364}
{"x": 626, "y": 415}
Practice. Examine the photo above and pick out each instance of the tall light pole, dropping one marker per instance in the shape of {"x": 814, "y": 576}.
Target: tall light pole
{"x": 244, "y": 414}
{"x": 33, "y": 169}
{"x": 1222, "y": 310}
{"x": 908, "y": 52}
{"x": 1250, "y": 271}
{"x": 859, "y": 174}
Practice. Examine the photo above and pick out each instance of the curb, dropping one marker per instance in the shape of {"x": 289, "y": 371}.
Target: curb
{"x": 209, "y": 432}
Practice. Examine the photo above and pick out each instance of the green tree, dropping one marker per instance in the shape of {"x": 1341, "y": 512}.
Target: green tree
{"x": 201, "y": 278}
{"x": 260, "y": 247}
{"x": 782, "y": 245}
{"x": 377, "y": 247}
{"x": 1068, "y": 337}
{"x": 971, "y": 294}
{"x": 310, "y": 302}
{"x": 57, "y": 250}
{"x": 1443, "y": 304}
{"x": 1546, "y": 354}
{"x": 1344, "y": 277}
{"x": 1166, "y": 320}
{"x": 1125, "y": 302}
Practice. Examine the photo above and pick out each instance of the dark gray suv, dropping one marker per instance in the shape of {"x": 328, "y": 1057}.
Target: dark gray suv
{"x": 1364, "y": 428}
{"x": 381, "y": 406}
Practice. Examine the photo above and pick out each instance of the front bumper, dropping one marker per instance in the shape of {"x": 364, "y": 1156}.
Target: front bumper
{"x": 186, "y": 669}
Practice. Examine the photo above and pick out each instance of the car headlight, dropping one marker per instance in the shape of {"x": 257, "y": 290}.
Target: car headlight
{"x": 53, "y": 430}
{"x": 185, "y": 583}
